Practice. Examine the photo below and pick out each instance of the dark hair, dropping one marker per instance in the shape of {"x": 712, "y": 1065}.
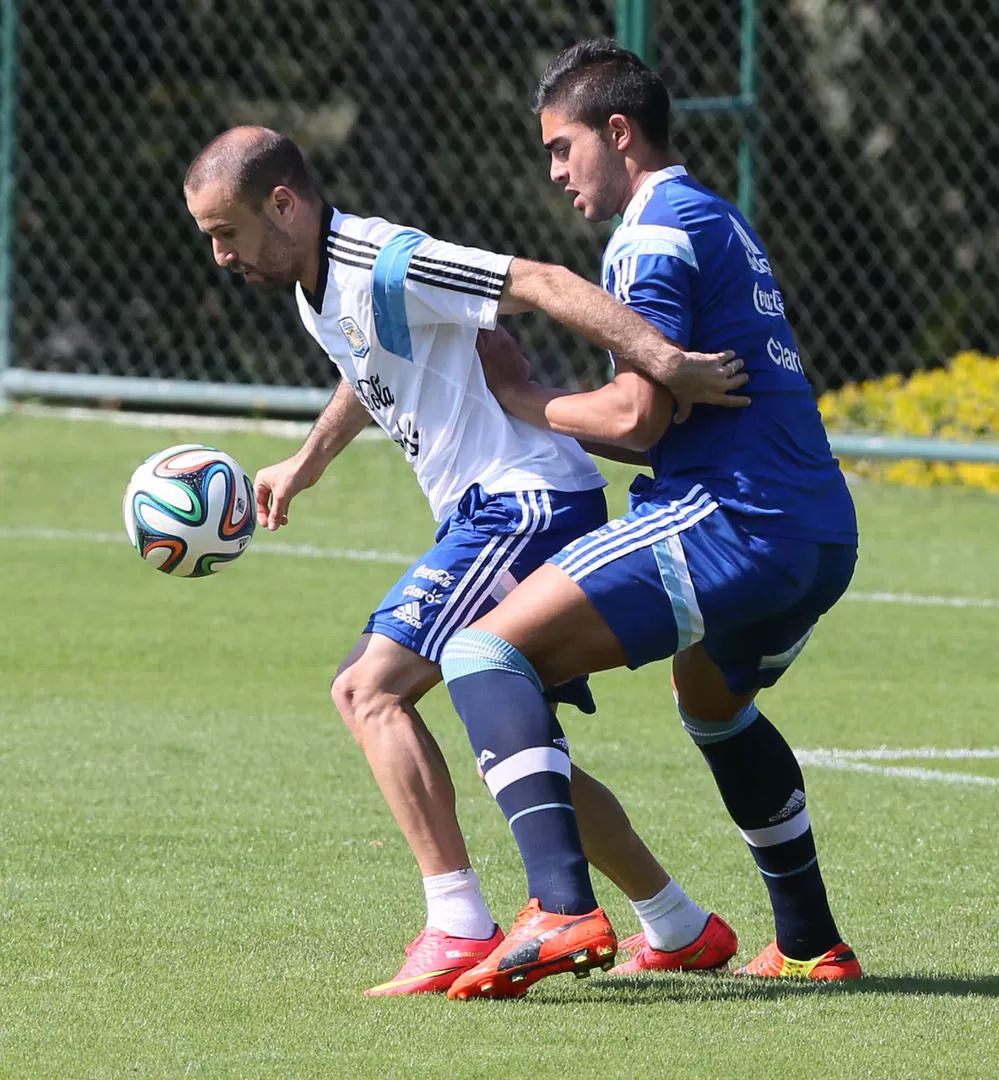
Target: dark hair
{"x": 591, "y": 81}
{"x": 252, "y": 162}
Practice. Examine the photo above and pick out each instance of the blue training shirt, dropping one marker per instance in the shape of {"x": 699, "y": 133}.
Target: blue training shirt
{"x": 688, "y": 261}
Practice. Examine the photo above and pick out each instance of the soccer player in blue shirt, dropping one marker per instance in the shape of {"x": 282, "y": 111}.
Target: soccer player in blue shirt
{"x": 744, "y": 536}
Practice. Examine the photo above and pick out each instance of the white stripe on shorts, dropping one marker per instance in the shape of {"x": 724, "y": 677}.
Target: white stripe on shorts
{"x": 675, "y": 575}
{"x": 489, "y": 567}
{"x": 598, "y": 550}
{"x": 535, "y": 759}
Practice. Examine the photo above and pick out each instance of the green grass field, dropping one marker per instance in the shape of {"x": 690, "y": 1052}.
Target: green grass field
{"x": 200, "y": 878}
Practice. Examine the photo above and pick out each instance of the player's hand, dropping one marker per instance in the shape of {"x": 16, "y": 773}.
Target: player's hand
{"x": 707, "y": 379}
{"x": 276, "y": 485}
{"x": 505, "y": 366}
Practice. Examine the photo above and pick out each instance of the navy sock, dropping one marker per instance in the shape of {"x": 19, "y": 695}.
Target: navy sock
{"x": 524, "y": 757}
{"x": 763, "y": 790}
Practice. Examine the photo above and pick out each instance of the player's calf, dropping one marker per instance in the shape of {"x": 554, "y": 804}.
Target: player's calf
{"x": 524, "y": 756}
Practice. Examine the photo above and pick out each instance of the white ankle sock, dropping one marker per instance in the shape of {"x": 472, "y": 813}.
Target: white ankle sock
{"x": 455, "y": 905}
{"x": 670, "y": 919}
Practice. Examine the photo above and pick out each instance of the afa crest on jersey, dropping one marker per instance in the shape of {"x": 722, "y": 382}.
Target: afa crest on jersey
{"x": 356, "y": 341}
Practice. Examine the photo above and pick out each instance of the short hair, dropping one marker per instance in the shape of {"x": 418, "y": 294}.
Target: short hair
{"x": 252, "y": 162}
{"x": 591, "y": 81}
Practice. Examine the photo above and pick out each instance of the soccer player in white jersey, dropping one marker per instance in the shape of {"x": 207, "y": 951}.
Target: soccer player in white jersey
{"x": 398, "y": 313}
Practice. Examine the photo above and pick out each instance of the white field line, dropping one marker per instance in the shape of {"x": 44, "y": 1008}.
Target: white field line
{"x": 268, "y": 547}
{"x": 285, "y": 429}
{"x": 853, "y": 761}
{"x": 310, "y": 551}
{"x": 886, "y": 753}
{"x": 925, "y": 601}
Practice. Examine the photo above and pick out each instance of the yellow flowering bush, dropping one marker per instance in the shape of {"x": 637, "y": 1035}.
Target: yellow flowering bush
{"x": 959, "y": 402}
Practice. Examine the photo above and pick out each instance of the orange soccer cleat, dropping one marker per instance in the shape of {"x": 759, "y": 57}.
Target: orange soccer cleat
{"x": 539, "y": 944}
{"x": 434, "y": 960}
{"x": 839, "y": 962}
{"x": 712, "y": 950}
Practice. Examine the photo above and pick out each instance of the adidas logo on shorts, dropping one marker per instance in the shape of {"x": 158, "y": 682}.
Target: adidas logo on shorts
{"x": 409, "y": 614}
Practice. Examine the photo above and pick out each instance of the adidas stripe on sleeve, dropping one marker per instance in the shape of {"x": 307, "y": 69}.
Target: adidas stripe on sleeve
{"x": 652, "y": 269}
{"x": 448, "y": 283}
{"x": 417, "y": 280}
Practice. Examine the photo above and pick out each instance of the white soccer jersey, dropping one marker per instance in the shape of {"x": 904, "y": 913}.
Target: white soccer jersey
{"x": 398, "y": 313}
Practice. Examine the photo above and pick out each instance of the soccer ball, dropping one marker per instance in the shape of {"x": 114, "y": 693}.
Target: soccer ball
{"x": 189, "y": 511}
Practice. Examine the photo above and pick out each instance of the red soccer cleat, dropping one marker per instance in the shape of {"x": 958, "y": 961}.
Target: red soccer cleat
{"x": 539, "y": 944}
{"x": 711, "y": 951}
{"x": 434, "y": 960}
{"x": 839, "y": 962}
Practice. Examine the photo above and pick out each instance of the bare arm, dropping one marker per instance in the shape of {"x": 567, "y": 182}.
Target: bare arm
{"x": 343, "y": 419}
{"x": 597, "y": 316}
{"x": 590, "y": 312}
{"x": 615, "y": 453}
{"x": 629, "y": 413}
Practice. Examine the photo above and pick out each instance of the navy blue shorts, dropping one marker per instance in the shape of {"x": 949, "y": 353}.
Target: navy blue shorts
{"x": 488, "y": 545}
{"x": 678, "y": 570}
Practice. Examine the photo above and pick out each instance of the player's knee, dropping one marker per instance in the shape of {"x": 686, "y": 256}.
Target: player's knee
{"x": 717, "y": 728}
{"x": 342, "y": 693}
{"x": 341, "y": 688}
{"x": 352, "y": 694}
{"x": 352, "y": 699}
{"x": 363, "y": 702}
{"x": 702, "y": 693}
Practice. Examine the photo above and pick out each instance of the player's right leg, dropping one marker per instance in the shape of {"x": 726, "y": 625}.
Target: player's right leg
{"x": 677, "y": 933}
{"x": 523, "y": 753}
{"x": 376, "y": 691}
{"x": 479, "y": 551}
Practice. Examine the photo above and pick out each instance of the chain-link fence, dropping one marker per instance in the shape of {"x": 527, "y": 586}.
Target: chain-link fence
{"x": 873, "y": 186}
{"x": 873, "y": 164}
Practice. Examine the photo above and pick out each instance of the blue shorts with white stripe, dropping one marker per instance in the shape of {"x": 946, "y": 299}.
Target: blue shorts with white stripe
{"x": 489, "y": 543}
{"x": 679, "y": 569}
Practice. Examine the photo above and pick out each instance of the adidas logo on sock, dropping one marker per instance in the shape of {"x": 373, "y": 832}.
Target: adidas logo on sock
{"x": 793, "y": 805}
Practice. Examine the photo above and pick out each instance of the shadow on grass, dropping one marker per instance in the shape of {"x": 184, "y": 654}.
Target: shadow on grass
{"x": 649, "y": 989}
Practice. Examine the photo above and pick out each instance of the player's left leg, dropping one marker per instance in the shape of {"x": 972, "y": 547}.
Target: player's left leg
{"x": 757, "y": 774}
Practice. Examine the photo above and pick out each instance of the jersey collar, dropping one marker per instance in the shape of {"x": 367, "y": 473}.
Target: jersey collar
{"x": 315, "y": 299}
{"x": 638, "y": 201}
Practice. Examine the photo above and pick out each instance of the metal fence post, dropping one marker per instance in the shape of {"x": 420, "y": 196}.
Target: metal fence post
{"x": 8, "y": 111}
{"x": 747, "y": 92}
{"x": 633, "y": 24}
